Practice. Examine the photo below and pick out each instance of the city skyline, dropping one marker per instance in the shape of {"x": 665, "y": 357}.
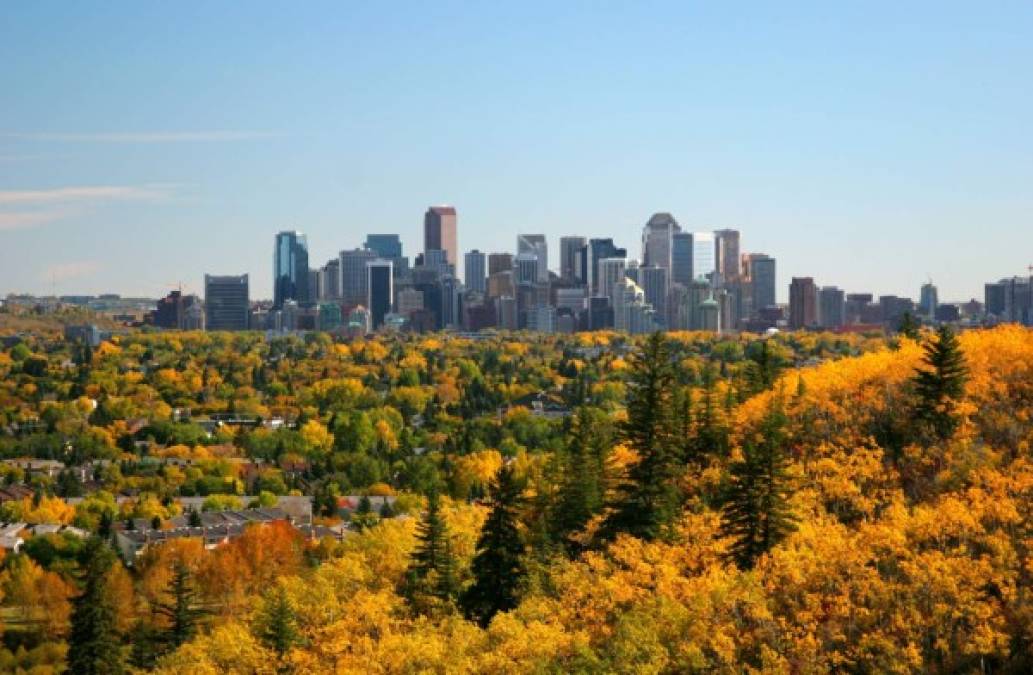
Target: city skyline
{"x": 824, "y": 132}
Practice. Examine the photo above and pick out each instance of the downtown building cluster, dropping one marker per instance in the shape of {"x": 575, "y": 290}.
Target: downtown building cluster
{"x": 680, "y": 280}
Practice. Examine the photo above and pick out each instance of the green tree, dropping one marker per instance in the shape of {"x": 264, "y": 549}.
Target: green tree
{"x": 498, "y": 566}
{"x": 94, "y": 645}
{"x": 757, "y": 515}
{"x": 648, "y": 500}
{"x": 908, "y": 326}
{"x": 430, "y": 580}
{"x": 277, "y": 622}
{"x": 581, "y": 489}
{"x": 940, "y": 384}
{"x": 182, "y": 609}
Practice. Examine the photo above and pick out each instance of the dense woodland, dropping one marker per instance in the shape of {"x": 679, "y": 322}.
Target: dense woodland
{"x": 799, "y": 503}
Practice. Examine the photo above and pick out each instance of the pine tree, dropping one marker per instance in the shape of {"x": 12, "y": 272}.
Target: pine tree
{"x": 498, "y": 566}
{"x": 940, "y": 384}
{"x": 649, "y": 500}
{"x": 908, "y": 326}
{"x": 756, "y": 512}
{"x": 431, "y": 578}
{"x": 94, "y": 645}
{"x": 183, "y": 610}
{"x": 277, "y": 622}
{"x": 581, "y": 487}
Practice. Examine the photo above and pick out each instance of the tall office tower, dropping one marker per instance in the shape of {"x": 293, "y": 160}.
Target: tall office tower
{"x": 386, "y": 246}
{"x": 474, "y": 272}
{"x": 726, "y": 254}
{"x": 380, "y": 289}
{"x": 894, "y": 308}
{"x": 929, "y": 298}
{"x": 354, "y": 276}
{"x": 653, "y": 281}
{"x": 437, "y": 261}
{"x": 226, "y": 302}
{"x": 499, "y": 262}
{"x": 526, "y": 266}
{"x": 803, "y": 303}
{"x": 658, "y": 240}
{"x": 501, "y": 284}
{"x": 409, "y": 300}
{"x": 704, "y": 251}
{"x": 611, "y": 271}
{"x": 451, "y": 302}
{"x": 290, "y": 269}
{"x": 330, "y": 280}
{"x": 570, "y": 251}
{"x": 1010, "y": 300}
{"x": 759, "y": 270}
{"x": 710, "y": 315}
{"x": 596, "y": 251}
{"x": 535, "y": 244}
{"x": 439, "y": 232}
{"x": 857, "y": 306}
{"x": 681, "y": 258}
{"x": 314, "y": 288}
{"x": 831, "y": 307}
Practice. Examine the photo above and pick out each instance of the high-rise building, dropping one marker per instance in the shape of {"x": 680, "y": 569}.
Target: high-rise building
{"x": 653, "y": 281}
{"x": 681, "y": 258}
{"x": 386, "y": 246}
{"x": 439, "y": 232}
{"x": 409, "y": 300}
{"x": 928, "y": 300}
{"x": 759, "y": 271}
{"x": 526, "y": 266}
{"x": 570, "y": 250}
{"x": 499, "y": 262}
{"x": 226, "y": 302}
{"x": 611, "y": 271}
{"x": 596, "y": 251}
{"x": 330, "y": 280}
{"x": 290, "y": 269}
{"x": 703, "y": 252}
{"x": 831, "y": 307}
{"x": 474, "y": 272}
{"x": 536, "y": 245}
{"x": 658, "y": 240}
{"x": 803, "y": 303}
{"x": 354, "y": 276}
{"x": 727, "y": 255}
{"x": 380, "y": 289}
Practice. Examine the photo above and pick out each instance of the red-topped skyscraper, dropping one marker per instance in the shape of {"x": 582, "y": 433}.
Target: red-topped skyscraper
{"x": 439, "y": 232}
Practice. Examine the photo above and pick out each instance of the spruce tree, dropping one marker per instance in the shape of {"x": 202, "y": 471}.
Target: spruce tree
{"x": 756, "y": 511}
{"x": 431, "y": 578}
{"x": 94, "y": 645}
{"x": 939, "y": 384}
{"x": 581, "y": 487}
{"x": 908, "y": 326}
{"x": 277, "y": 622}
{"x": 498, "y": 567}
{"x": 183, "y": 609}
{"x": 649, "y": 500}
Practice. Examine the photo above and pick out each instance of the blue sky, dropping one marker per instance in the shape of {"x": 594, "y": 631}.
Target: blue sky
{"x": 866, "y": 144}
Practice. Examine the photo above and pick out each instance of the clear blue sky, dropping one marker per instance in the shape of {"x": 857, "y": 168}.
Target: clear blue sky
{"x": 866, "y": 144}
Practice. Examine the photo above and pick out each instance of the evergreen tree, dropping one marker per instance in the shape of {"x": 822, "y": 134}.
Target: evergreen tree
{"x": 277, "y": 622}
{"x": 431, "y": 577}
{"x": 649, "y": 500}
{"x": 581, "y": 481}
{"x": 711, "y": 434}
{"x": 756, "y": 512}
{"x": 94, "y": 645}
{"x": 182, "y": 610}
{"x": 144, "y": 652}
{"x": 498, "y": 566}
{"x": 194, "y": 518}
{"x": 940, "y": 384}
{"x": 764, "y": 367}
{"x": 908, "y": 326}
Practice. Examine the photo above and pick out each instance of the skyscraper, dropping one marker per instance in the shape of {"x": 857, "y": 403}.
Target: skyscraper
{"x": 681, "y": 258}
{"x": 379, "y": 282}
{"x": 227, "y": 302}
{"x": 703, "y": 252}
{"x": 474, "y": 272}
{"x": 653, "y": 281}
{"x": 536, "y": 245}
{"x": 759, "y": 270}
{"x": 386, "y": 246}
{"x": 831, "y": 307}
{"x": 803, "y": 303}
{"x": 727, "y": 255}
{"x": 570, "y": 249}
{"x": 611, "y": 271}
{"x": 595, "y": 252}
{"x": 499, "y": 262}
{"x": 290, "y": 269}
{"x": 526, "y": 266}
{"x": 929, "y": 298}
{"x": 657, "y": 240}
{"x": 439, "y": 232}
{"x": 354, "y": 276}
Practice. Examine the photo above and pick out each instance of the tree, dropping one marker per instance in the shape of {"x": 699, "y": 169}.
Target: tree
{"x": 756, "y": 513}
{"x": 581, "y": 489}
{"x": 940, "y": 384}
{"x": 649, "y": 499}
{"x": 94, "y": 645}
{"x": 498, "y": 566}
{"x": 908, "y": 326}
{"x": 431, "y": 579}
{"x": 277, "y": 622}
{"x": 182, "y": 610}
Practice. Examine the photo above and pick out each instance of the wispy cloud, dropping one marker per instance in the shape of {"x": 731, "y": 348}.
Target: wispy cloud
{"x": 85, "y": 193}
{"x": 70, "y": 270}
{"x": 17, "y": 220}
{"x": 140, "y": 136}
